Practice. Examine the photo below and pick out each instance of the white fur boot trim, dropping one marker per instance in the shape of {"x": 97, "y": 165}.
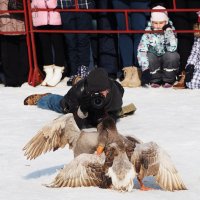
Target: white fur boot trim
{"x": 56, "y": 76}
{"x": 48, "y": 69}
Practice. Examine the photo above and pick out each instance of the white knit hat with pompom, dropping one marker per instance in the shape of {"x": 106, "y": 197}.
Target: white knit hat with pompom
{"x": 159, "y": 16}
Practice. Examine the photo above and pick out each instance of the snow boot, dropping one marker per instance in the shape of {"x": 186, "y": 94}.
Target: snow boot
{"x": 34, "y": 98}
{"x": 127, "y": 110}
{"x": 48, "y": 69}
{"x": 181, "y": 83}
{"x": 135, "y": 80}
{"x": 128, "y": 72}
{"x": 57, "y": 75}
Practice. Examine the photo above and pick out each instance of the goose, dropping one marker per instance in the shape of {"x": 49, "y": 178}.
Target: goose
{"x": 121, "y": 159}
{"x": 87, "y": 168}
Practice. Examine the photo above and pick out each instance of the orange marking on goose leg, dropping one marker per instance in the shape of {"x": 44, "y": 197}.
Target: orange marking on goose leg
{"x": 142, "y": 186}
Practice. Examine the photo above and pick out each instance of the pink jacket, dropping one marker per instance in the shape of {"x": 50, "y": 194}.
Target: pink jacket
{"x": 41, "y": 18}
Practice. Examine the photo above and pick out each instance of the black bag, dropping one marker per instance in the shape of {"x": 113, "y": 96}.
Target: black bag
{"x": 15, "y": 5}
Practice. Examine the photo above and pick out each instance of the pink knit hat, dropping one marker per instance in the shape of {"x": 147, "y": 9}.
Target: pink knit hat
{"x": 159, "y": 16}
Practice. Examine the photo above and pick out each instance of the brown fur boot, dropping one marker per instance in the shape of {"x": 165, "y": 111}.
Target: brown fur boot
{"x": 34, "y": 98}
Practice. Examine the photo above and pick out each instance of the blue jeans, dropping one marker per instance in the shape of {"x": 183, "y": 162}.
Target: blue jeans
{"x": 128, "y": 43}
{"x": 51, "y": 102}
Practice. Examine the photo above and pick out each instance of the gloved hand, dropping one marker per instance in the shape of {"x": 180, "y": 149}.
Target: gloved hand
{"x": 164, "y": 28}
{"x": 189, "y": 71}
{"x": 85, "y": 102}
{"x": 146, "y": 77}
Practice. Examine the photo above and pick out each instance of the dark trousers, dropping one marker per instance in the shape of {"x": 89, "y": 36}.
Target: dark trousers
{"x": 14, "y": 60}
{"x": 52, "y": 46}
{"x": 128, "y": 43}
{"x": 78, "y": 44}
{"x": 184, "y": 21}
{"x": 163, "y": 68}
{"x": 107, "y": 43}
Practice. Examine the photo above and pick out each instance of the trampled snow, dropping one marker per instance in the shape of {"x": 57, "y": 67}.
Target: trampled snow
{"x": 169, "y": 117}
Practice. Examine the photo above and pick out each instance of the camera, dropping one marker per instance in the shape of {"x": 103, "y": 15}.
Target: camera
{"x": 97, "y": 100}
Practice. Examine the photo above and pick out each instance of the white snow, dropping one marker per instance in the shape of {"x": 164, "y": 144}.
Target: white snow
{"x": 169, "y": 117}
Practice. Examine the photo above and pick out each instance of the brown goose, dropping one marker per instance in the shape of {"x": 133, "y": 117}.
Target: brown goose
{"x": 123, "y": 159}
{"x": 149, "y": 159}
{"x": 87, "y": 169}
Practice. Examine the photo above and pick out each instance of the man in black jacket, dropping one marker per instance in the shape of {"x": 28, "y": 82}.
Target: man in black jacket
{"x": 90, "y": 100}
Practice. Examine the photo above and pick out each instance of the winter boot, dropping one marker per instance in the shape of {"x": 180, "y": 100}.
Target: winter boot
{"x": 34, "y": 98}
{"x": 135, "y": 79}
{"x": 48, "y": 69}
{"x": 127, "y": 110}
{"x": 181, "y": 83}
{"x": 57, "y": 75}
{"x": 128, "y": 72}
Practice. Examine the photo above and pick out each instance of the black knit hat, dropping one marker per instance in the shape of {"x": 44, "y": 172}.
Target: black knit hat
{"x": 98, "y": 80}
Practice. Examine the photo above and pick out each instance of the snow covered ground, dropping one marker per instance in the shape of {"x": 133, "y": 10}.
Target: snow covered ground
{"x": 167, "y": 116}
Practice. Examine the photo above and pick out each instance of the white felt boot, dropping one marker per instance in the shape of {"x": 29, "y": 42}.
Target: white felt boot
{"x": 49, "y": 70}
{"x": 57, "y": 75}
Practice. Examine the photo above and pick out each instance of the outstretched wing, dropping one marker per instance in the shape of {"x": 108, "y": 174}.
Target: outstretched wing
{"x": 56, "y": 134}
{"x": 151, "y": 160}
{"x": 85, "y": 170}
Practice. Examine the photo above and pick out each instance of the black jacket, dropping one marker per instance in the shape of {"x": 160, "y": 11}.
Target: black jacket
{"x": 113, "y": 103}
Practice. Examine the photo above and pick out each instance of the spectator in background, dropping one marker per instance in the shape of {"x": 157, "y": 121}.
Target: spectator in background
{"x": 157, "y": 54}
{"x": 107, "y": 53}
{"x": 192, "y": 70}
{"x": 128, "y": 43}
{"x": 183, "y": 21}
{"x": 13, "y": 48}
{"x": 78, "y": 45}
{"x": 52, "y": 47}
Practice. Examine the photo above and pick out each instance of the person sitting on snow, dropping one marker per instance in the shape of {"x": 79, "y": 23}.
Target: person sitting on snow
{"x": 157, "y": 52}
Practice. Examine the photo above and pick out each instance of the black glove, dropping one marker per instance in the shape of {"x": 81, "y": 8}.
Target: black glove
{"x": 166, "y": 26}
{"x": 85, "y": 102}
{"x": 146, "y": 77}
{"x": 189, "y": 71}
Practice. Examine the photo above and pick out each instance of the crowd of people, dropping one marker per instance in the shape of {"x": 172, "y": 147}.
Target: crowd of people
{"x": 153, "y": 59}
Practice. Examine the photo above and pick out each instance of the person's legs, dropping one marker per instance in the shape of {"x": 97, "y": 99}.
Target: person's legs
{"x": 46, "y": 45}
{"x": 107, "y": 43}
{"x": 125, "y": 40}
{"x": 138, "y": 22}
{"x": 170, "y": 63}
{"x": 58, "y": 45}
{"x": 69, "y": 23}
{"x": 50, "y": 102}
{"x": 14, "y": 60}
{"x": 83, "y": 22}
{"x": 155, "y": 68}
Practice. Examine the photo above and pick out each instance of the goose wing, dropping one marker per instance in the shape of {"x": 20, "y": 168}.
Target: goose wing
{"x": 151, "y": 160}
{"x": 84, "y": 171}
{"x": 54, "y": 135}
